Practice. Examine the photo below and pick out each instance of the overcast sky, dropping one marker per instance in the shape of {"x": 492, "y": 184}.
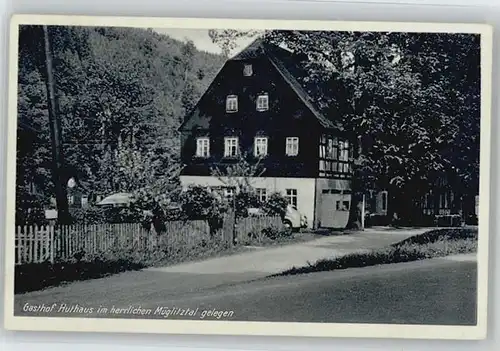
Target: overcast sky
{"x": 200, "y": 39}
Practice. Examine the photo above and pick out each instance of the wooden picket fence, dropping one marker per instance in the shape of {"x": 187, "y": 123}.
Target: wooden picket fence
{"x": 37, "y": 244}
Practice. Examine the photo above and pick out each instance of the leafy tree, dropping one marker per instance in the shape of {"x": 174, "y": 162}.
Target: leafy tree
{"x": 144, "y": 176}
{"x": 227, "y": 39}
{"x": 33, "y": 148}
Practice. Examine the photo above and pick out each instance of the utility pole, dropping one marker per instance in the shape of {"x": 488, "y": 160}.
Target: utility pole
{"x": 55, "y": 133}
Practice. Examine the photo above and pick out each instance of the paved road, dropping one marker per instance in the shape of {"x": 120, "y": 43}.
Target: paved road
{"x": 266, "y": 261}
{"x": 440, "y": 291}
{"x": 431, "y": 292}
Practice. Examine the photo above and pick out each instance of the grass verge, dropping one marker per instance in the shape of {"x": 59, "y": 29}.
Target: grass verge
{"x": 38, "y": 276}
{"x": 432, "y": 244}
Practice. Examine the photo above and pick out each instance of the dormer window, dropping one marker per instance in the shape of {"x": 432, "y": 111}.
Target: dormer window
{"x": 247, "y": 70}
{"x": 232, "y": 103}
{"x": 292, "y": 146}
{"x": 263, "y": 102}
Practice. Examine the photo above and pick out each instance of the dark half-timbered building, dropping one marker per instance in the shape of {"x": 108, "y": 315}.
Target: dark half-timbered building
{"x": 255, "y": 106}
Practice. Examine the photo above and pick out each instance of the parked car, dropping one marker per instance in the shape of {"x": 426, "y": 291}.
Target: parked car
{"x": 292, "y": 220}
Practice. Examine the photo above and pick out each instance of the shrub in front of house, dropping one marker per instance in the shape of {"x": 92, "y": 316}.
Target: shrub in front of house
{"x": 244, "y": 200}
{"x": 275, "y": 205}
{"x": 198, "y": 202}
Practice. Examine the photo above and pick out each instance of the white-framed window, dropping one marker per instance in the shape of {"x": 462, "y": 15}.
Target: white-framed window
{"x": 71, "y": 199}
{"x": 291, "y": 195}
{"x": 263, "y": 102}
{"x": 85, "y": 201}
{"x": 230, "y": 146}
{"x": 202, "y": 147}
{"x": 247, "y": 70}
{"x": 231, "y": 103}
{"x": 262, "y": 194}
{"x": 260, "y": 146}
{"x": 292, "y": 146}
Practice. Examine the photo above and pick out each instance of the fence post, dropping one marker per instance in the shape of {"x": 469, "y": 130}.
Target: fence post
{"x": 37, "y": 247}
{"x": 59, "y": 241}
{"x": 52, "y": 243}
{"x": 32, "y": 244}
{"x": 47, "y": 242}
{"x": 26, "y": 243}
{"x": 55, "y": 242}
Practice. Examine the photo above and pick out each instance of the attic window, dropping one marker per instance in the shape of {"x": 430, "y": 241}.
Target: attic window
{"x": 263, "y": 102}
{"x": 231, "y": 103}
{"x": 247, "y": 70}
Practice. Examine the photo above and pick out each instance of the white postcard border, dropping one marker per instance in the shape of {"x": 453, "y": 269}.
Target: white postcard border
{"x": 253, "y": 328}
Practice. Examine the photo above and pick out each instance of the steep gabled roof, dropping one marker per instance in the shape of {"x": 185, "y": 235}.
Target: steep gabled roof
{"x": 301, "y": 93}
{"x": 288, "y": 66}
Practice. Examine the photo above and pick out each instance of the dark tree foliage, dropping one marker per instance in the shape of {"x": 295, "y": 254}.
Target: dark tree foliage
{"x": 121, "y": 91}
{"x": 199, "y": 203}
{"x": 275, "y": 205}
{"x": 243, "y": 200}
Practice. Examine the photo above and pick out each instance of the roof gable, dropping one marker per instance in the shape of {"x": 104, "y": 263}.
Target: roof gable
{"x": 284, "y": 62}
